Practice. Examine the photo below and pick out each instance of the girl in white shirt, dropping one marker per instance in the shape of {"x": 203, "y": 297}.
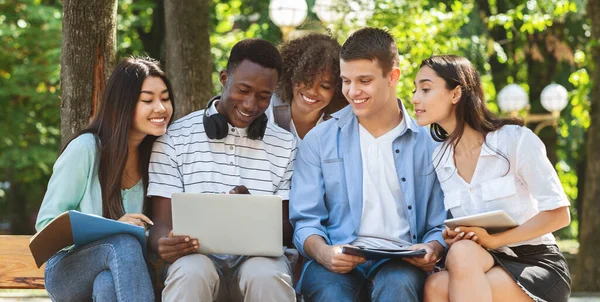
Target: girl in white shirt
{"x": 310, "y": 88}
{"x": 483, "y": 164}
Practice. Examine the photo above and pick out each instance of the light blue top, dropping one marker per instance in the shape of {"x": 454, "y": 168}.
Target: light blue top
{"x": 74, "y": 184}
{"x": 326, "y": 197}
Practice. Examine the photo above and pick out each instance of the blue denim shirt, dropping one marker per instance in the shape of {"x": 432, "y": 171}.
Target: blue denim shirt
{"x": 327, "y": 199}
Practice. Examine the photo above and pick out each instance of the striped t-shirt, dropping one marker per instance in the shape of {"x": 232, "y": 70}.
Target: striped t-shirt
{"x": 186, "y": 160}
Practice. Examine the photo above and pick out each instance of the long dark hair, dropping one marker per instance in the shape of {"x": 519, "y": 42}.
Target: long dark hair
{"x": 471, "y": 108}
{"x": 111, "y": 127}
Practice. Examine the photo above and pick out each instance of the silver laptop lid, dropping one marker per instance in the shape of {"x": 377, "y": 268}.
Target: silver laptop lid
{"x": 235, "y": 224}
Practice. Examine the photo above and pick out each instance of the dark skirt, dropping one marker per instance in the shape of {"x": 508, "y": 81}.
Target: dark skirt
{"x": 540, "y": 270}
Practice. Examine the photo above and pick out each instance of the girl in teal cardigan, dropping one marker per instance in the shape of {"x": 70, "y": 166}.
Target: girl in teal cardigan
{"x": 104, "y": 171}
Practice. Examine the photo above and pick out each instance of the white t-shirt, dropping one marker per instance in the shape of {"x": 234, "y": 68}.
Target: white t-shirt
{"x": 522, "y": 184}
{"x": 383, "y": 224}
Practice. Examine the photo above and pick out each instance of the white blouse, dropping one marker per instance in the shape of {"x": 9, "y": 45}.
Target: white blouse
{"x": 512, "y": 174}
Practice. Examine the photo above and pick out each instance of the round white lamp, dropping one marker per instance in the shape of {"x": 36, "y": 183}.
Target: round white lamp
{"x": 512, "y": 98}
{"x": 554, "y": 97}
{"x": 287, "y": 14}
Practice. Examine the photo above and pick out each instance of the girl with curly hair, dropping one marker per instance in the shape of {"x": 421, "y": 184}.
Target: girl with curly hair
{"x": 310, "y": 89}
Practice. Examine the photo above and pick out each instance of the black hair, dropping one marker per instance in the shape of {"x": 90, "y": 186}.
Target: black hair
{"x": 258, "y": 51}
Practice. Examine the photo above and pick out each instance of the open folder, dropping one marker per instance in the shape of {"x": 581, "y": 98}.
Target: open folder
{"x": 76, "y": 228}
{"x": 370, "y": 254}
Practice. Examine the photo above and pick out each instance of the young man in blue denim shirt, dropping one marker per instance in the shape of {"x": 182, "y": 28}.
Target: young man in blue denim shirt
{"x": 365, "y": 178}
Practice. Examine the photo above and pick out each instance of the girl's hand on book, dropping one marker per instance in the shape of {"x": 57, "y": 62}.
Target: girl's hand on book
{"x": 171, "y": 248}
{"x": 137, "y": 219}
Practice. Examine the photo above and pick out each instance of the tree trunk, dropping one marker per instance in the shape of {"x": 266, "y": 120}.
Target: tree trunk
{"x": 154, "y": 41}
{"x": 588, "y": 263}
{"x": 89, "y": 37}
{"x": 188, "y": 56}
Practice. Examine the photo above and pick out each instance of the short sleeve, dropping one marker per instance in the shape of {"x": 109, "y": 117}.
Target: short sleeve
{"x": 538, "y": 174}
{"x": 164, "y": 175}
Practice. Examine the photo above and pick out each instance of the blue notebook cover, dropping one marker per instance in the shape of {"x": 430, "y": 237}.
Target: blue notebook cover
{"x": 88, "y": 228}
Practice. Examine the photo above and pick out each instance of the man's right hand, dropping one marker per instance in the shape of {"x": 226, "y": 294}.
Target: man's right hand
{"x": 171, "y": 248}
{"x": 332, "y": 258}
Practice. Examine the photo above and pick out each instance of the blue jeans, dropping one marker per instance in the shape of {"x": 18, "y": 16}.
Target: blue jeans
{"x": 392, "y": 280}
{"x": 110, "y": 269}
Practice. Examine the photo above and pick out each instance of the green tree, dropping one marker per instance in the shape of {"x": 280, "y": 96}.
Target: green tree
{"x": 30, "y": 34}
{"x": 87, "y": 60}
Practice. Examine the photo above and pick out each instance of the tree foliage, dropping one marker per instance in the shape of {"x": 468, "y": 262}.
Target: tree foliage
{"x": 29, "y": 87}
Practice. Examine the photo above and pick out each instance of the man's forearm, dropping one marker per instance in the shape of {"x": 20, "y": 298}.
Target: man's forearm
{"x": 313, "y": 246}
{"x": 438, "y": 248}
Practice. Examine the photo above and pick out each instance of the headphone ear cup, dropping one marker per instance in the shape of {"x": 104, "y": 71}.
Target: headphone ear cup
{"x": 257, "y": 129}
{"x": 215, "y": 126}
{"x": 221, "y": 126}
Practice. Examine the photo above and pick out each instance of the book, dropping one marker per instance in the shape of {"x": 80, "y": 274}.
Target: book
{"x": 371, "y": 254}
{"x": 78, "y": 229}
{"x": 494, "y": 221}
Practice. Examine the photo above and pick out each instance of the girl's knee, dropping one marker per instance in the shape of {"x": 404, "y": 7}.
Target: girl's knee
{"x": 461, "y": 254}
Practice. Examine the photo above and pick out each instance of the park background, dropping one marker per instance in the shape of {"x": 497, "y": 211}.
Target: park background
{"x": 56, "y": 55}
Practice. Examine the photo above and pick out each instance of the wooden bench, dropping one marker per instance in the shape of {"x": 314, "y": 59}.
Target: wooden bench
{"x": 17, "y": 268}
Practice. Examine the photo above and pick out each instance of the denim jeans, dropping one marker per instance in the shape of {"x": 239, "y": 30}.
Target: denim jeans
{"x": 392, "y": 280}
{"x": 110, "y": 269}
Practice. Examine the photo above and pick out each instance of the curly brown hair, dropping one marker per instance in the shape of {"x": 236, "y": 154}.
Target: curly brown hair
{"x": 304, "y": 59}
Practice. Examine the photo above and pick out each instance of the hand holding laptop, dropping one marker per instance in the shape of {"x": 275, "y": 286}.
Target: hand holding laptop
{"x": 171, "y": 248}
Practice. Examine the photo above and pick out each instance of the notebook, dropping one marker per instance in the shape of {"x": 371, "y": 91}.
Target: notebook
{"x": 78, "y": 229}
{"x": 371, "y": 254}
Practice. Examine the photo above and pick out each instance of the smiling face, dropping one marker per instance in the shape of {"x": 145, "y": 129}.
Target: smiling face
{"x": 153, "y": 110}
{"x": 367, "y": 89}
{"x": 313, "y": 98}
{"x": 246, "y": 93}
{"x": 433, "y": 101}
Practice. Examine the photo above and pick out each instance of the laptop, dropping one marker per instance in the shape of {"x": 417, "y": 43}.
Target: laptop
{"x": 235, "y": 224}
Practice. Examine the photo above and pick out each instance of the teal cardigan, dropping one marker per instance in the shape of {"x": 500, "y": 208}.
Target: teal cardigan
{"x": 74, "y": 184}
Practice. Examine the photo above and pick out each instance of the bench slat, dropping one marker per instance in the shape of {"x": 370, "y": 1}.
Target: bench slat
{"x": 17, "y": 267}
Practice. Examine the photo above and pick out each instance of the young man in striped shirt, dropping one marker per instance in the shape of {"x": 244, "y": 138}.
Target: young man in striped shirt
{"x": 227, "y": 148}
